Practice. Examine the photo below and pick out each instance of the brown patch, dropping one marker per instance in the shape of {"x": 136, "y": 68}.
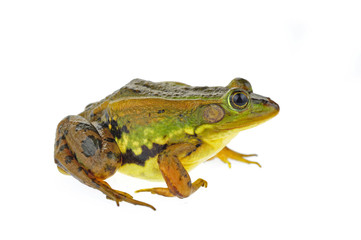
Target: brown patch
{"x": 213, "y": 113}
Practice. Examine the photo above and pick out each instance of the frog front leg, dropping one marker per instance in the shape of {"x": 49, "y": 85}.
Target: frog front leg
{"x": 227, "y": 153}
{"x": 175, "y": 175}
{"x": 88, "y": 152}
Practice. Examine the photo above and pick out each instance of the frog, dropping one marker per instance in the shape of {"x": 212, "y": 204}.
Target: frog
{"x": 158, "y": 131}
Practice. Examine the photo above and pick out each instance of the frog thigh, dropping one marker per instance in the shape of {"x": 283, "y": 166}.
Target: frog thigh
{"x": 92, "y": 146}
{"x": 88, "y": 152}
{"x": 175, "y": 175}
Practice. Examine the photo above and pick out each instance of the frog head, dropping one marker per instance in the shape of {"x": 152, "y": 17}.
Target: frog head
{"x": 239, "y": 109}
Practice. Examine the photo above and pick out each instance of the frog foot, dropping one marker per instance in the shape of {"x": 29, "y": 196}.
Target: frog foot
{"x": 166, "y": 192}
{"x": 227, "y": 153}
{"x": 119, "y": 196}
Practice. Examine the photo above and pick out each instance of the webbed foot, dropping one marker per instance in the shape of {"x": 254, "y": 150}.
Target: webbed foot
{"x": 227, "y": 153}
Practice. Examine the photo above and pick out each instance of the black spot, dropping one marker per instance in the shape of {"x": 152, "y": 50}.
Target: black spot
{"x": 161, "y": 111}
{"x": 68, "y": 159}
{"x": 130, "y": 157}
{"x": 90, "y": 145}
{"x": 62, "y": 147}
{"x": 104, "y": 125}
{"x": 180, "y": 115}
{"x": 197, "y": 146}
{"x": 109, "y": 168}
{"x": 116, "y": 130}
{"x": 80, "y": 168}
{"x": 189, "y": 153}
{"x": 125, "y": 129}
{"x": 85, "y": 127}
{"x": 114, "y": 123}
{"x": 189, "y": 183}
{"x": 117, "y": 133}
{"x": 109, "y": 139}
{"x": 111, "y": 155}
{"x": 57, "y": 142}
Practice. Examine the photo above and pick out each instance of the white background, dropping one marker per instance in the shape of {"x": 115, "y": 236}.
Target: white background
{"x": 58, "y": 56}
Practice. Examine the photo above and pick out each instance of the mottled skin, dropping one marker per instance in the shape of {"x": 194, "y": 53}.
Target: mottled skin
{"x": 157, "y": 131}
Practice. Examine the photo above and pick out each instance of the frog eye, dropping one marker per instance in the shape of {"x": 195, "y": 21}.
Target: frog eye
{"x": 238, "y": 100}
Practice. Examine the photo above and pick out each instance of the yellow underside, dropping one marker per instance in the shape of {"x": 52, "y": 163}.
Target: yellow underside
{"x": 150, "y": 171}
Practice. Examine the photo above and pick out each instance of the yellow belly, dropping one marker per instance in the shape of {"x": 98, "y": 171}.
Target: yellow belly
{"x": 150, "y": 171}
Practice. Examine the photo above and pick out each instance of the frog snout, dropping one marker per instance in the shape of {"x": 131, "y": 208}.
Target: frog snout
{"x": 273, "y": 104}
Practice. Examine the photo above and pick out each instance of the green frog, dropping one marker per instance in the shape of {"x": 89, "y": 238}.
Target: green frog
{"x": 157, "y": 131}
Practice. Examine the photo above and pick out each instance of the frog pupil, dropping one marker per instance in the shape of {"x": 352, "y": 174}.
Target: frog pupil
{"x": 239, "y": 100}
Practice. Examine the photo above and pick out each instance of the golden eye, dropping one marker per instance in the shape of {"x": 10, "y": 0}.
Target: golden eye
{"x": 238, "y": 100}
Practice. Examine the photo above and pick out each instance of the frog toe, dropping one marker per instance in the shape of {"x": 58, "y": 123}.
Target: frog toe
{"x": 119, "y": 196}
{"x": 159, "y": 191}
{"x": 227, "y": 153}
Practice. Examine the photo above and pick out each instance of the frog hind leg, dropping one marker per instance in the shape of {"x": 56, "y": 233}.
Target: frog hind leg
{"x": 175, "y": 175}
{"x": 88, "y": 152}
{"x": 227, "y": 153}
